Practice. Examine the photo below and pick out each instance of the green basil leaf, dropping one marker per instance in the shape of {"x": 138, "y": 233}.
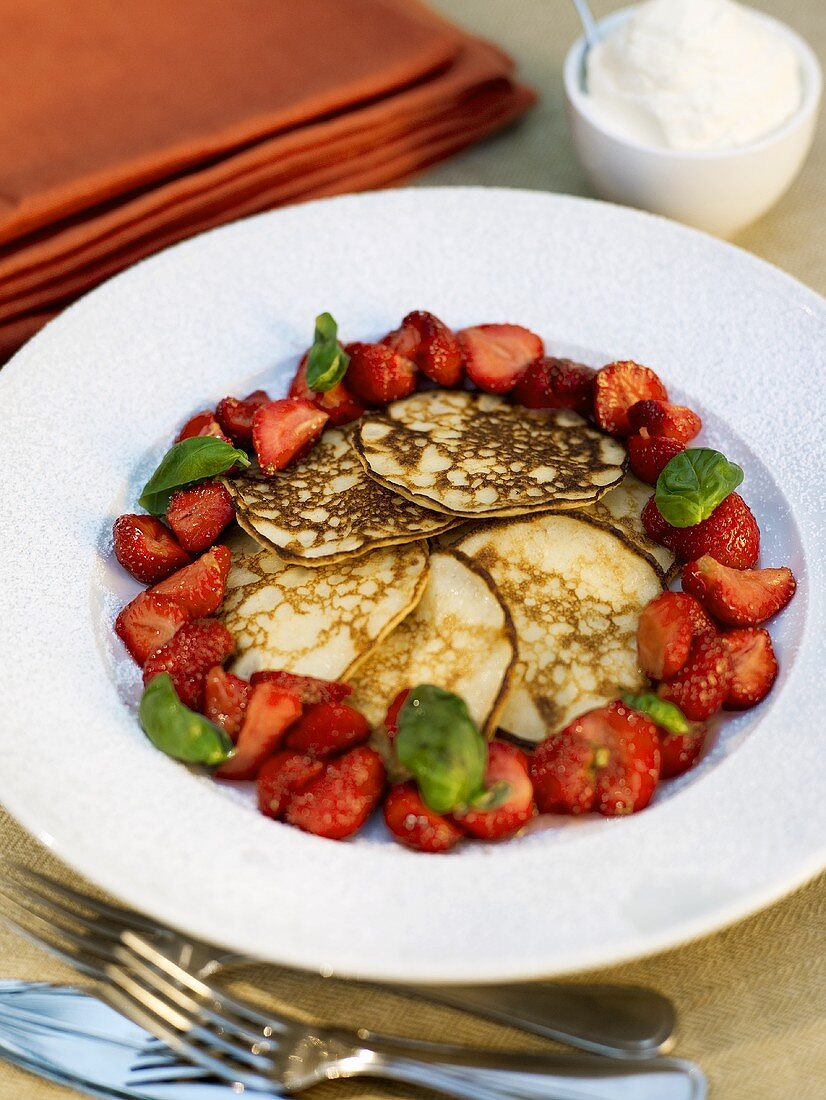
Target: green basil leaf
{"x": 493, "y": 797}
{"x": 660, "y": 711}
{"x": 190, "y": 460}
{"x": 177, "y": 730}
{"x": 438, "y": 742}
{"x": 692, "y": 485}
{"x": 327, "y": 361}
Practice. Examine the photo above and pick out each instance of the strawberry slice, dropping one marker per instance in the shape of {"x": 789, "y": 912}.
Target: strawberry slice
{"x": 738, "y": 597}
{"x": 754, "y": 667}
{"x": 308, "y": 689}
{"x": 328, "y": 728}
{"x": 606, "y": 760}
{"x": 283, "y": 776}
{"x": 413, "y": 823}
{"x": 730, "y": 534}
{"x": 199, "y": 514}
{"x": 339, "y": 404}
{"x": 648, "y": 455}
{"x": 147, "y": 623}
{"x": 285, "y": 430}
{"x": 270, "y": 711}
{"x": 664, "y": 633}
{"x": 199, "y": 588}
{"x": 496, "y": 356}
{"x": 338, "y": 802}
{"x": 680, "y": 751}
{"x": 147, "y": 549}
{"x": 189, "y": 655}
{"x": 665, "y": 421}
{"x": 506, "y": 764}
{"x": 391, "y": 719}
{"x": 433, "y": 347}
{"x": 620, "y": 385}
{"x": 202, "y": 423}
{"x": 378, "y": 375}
{"x": 556, "y": 384}
{"x": 700, "y": 687}
{"x": 225, "y": 700}
{"x": 235, "y": 414}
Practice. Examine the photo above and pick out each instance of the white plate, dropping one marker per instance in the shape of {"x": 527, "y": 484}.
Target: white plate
{"x": 88, "y": 407}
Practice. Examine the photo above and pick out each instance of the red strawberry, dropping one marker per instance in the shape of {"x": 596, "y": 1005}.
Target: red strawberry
{"x": 754, "y": 667}
{"x": 234, "y": 415}
{"x": 556, "y": 384}
{"x": 508, "y": 764}
{"x": 339, "y": 801}
{"x": 648, "y": 455}
{"x": 496, "y": 356}
{"x": 147, "y": 623}
{"x": 146, "y": 548}
{"x": 738, "y": 597}
{"x": 202, "y": 423}
{"x": 679, "y": 751}
{"x": 199, "y": 514}
{"x": 283, "y": 776}
{"x": 607, "y": 760}
{"x": 665, "y": 421}
{"x": 199, "y": 588}
{"x": 700, "y": 687}
{"x": 285, "y": 430}
{"x": 620, "y": 385}
{"x": 189, "y": 655}
{"x": 432, "y": 346}
{"x": 701, "y": 622}
{"x": 391, "y": 719}
{"x": 664, "y": 634}
{"x": 730, "y": 534}
{"x": 415, "y": 824}
{"x": 270, "y": 711}
{"x": 225, "y": 700}
{"x": 338, "y": 402}
{"x": 308, "y": 689}
{"x": 378, "y": 375}
{"x": 328, "y": 728}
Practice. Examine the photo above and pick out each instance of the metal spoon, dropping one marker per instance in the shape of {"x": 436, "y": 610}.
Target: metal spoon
{"x": 589, "y": 26}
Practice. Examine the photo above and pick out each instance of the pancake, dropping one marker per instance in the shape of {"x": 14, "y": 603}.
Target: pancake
{"x": 474, "y": 455}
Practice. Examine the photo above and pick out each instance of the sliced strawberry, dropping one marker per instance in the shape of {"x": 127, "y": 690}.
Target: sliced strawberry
{"x": 738, "y": 597}
{"x": 283, "y": 431}
{"x": 730, "y": 534}
{"x": 147, "y": 549}
{"x": 308, "y": 689}
{"x": 340, "y": 800}
{"x": 607, "y": 760}
{"x": 506, "y": 764}
{"x": 339, "y": 404}
{"x": 680, "y": 751}
{"x": 225, "y": 700}
{"x": 234, "y": 415}
{"x": 496, "y": 356}
{"x": 665, "y": 421}
{"x": 391, "y": 719}
{"x": 415, "y": 824}
{"x": 701, "y": 621}
{"x": 620, "y": 385}
{"x": 147, "y": 623}
{"x": 283, "y": 776}
{"x": 664, "y": 633}
{"x": 202, "y": 423}
{"x": 700, "y": 687}
{"x": 378, "y": 375}
{"x": 754, "y": 667}
{"x": 199, "y": 514}
{"x": 270, "y": 711}
{"x": 199, "y": 588}
{"x": 556, "y": 384}
{"x": 432, "y": 346}
{"x": 648, "y": 455}
{"x": 328, "y": 728}
{"x": 189, "y": 655}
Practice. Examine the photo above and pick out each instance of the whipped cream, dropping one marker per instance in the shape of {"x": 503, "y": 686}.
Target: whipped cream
{"x": 693, "y": 75}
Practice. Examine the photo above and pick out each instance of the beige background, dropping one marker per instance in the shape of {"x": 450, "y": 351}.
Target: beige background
{"x": 751, "y": 998}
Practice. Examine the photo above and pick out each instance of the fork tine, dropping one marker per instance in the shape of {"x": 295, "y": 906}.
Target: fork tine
{"x": 115, "y": 913}
{"x": 101, "y": 927}
{"x": 59, "y": 919}
{"x": 74, "y": 954}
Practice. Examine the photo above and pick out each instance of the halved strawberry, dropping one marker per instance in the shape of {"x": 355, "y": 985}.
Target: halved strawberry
{"x": 663, "y": 420}
{"x": 199, "y": 588}
{"x": 147, "y": 623}
{"x": 664, "y": 633}
{"x": 147, "y": 549}
{"x": 234, "y": 415}
{"x": 415, "y": 824}
{"x": 606, "y": 760}
{"x": 202, "y": 423}
{"x": 328, "y": 728}
{"x": 680, "y": 751}
{"x": 556, "y": 384}
{"x": 738, "y": 597}
{"x": 189, "y": 655}
{"x": 730, "y": 534}
{"x": 754, "y": 667}
{"x": 283, "y": 776}
{"x": 225, "y": 700}
{"x": 648, "y": 455}
{"x": 199, "y": 514}
{"x": 378, "y": 375}
{"x": 496, "y": 356}
{"x": 620, "y": 385}
{"x": 506, "y": 764}
{"x": 432, "y": 346}
{"x": 700, "y": 687}
{"x": 339, "y": 404}
{"x": 338, "y": 802}
{"x": 391, "y": 719}
{"x": 283, "y": 431}
{"x": 270, "y": 712}
{"x": 309, "y": 689}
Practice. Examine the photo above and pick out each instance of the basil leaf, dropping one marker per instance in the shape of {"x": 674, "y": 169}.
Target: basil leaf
{"x": 660, "y": 711}
{"x": 177, "y": 730}
{"x": 692, "y": 485}
{"x": 438, "y": 742}
{"x": 190, "y": 460}
{"x": 327, "y": 361}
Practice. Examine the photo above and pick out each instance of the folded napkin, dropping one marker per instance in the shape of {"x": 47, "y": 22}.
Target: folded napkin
{"x": 128, "y": 127}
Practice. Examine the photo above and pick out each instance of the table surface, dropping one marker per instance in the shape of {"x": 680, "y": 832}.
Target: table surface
{"x": 751, "y": 998}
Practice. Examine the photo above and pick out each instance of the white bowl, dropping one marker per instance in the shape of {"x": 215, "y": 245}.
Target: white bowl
{"x": 719, "y": 191}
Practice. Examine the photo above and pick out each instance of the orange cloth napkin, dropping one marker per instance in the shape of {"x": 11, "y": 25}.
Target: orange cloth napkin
{"x": 126, "y": 128}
